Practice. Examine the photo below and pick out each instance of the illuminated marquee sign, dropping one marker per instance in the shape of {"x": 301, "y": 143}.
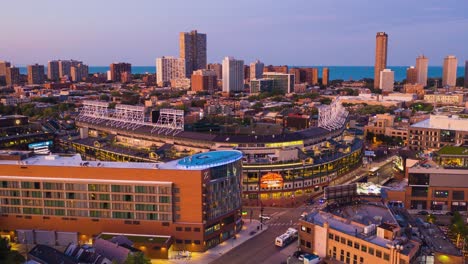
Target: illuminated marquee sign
{"x": 271, "y": 180}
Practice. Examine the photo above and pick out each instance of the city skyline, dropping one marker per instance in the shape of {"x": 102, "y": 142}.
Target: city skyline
{"x": 340, "y": 38}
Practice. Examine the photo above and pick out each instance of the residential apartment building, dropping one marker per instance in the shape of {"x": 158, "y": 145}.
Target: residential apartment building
{"x": 35, "y": 74}
{"x": 325, "y": 76}
{"x": 411, "y": 75}
{"x": 422, "y": 63}
{"x": 218, "y": 68}
{"x": 204, "y": 80}
{"x": 438, "y": 131}
{"x": 233, "y": 75}
{"x": 193, "y": 50}
{"x": 256, "y": 70}
{"x": 381, "y": 43}
{"x": 196, "y": 200}
{"x": 384, "y": 124}
{"x": 12, "y": 76}
{"x": 79, "y": 72}
{"x": 281, "y": 81}
{"x": 387, "y": 79}
{"x": 449, "y": 74}
{"x": 353, "y": 234}
{"x": 169, "y": 68}
{"x": 445, "y": 99}
{"x": 53, "y": 70}
{"x": 116, "y": 70}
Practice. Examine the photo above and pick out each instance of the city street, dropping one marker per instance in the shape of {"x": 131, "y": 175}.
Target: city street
{"x": 262, "y": 249}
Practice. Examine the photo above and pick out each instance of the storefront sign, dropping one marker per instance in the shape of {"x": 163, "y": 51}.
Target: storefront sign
{"x": 271, "y": 180}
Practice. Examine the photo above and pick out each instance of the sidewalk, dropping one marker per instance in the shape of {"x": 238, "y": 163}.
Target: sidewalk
{"x": 214, "y": 253}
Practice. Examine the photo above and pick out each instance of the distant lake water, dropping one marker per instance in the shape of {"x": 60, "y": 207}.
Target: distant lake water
{"x": 336, "y": 72}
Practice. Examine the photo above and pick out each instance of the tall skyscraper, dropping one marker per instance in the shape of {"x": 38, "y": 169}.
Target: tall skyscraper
{"x": 65, "y": 67}
{"x": 256, "y": 69}
{"x": 233, "y": 75}
{"x": 193, "y": 50}
{"x": 36, "y": 74}
{"x": 218, "y": 68}
{"x": 449, "y": 76}
{"x": 411, "y": 75}
{"x": 12, "y": 76}
{"x": 3, "y": 66}
{"x": 386, "y": 78}
{"x": 116, "y": 70}
{"x": 79, "y": 72}
{"x": 314, "y": 76}
{"x": 298, "y": 73}
{"x": 466, "y": 74}
{"x": 422, "y": 63}
{"x": 169, "y": 68}
{"x": 53, "y": 72}
{"x": 325, "y": 76}
{"x": 381, "y": 41}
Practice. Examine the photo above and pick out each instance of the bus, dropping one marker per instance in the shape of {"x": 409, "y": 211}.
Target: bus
{"x": 286, "y": 238}
{"x": 373, "y": 171}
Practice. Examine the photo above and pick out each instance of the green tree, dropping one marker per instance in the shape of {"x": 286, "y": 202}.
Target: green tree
{"x": 137, "y": 258}
{"x": 7, "y": 255}
{"x": 458, "y": 227}
{"x": 431, "y": 218}
{"x": 104, "y": 97}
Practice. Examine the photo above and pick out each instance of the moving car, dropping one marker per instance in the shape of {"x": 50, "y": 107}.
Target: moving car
{"x": 264, "y": 217}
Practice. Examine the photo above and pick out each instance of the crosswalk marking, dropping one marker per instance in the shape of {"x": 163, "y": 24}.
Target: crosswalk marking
{"x": 282, "y": 224}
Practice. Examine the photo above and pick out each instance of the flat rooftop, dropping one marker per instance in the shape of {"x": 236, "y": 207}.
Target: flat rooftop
{"x": 196, "y": 162}
{"x": 351, "y": 220}
{"x": 444, "y": 122}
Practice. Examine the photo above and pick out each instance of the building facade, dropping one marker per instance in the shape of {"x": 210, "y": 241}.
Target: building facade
{"x": 168, "y": 68}
{"x": 381, "y": 41}
{"x": 437, "y": 189}
{"x": 422, "y": 63}
{"x": 53, "y": 72}
{"x": 438, "y": 131}
{"x": 79, "y": 72}
{"x": 3, "y": 67}
{"x": 204, "y": 80}
{"x": 466, "y": 74}
{"x": 256, "y": 70}
{"x": 355, "y": 236}
{"x": 325, "y": 76}
{"x": 445, "y": 99}
{"x": 449, "y": 75}
{"x": 233, "y": 75}
{"x": 196, "y": 200}
{"x": 411, "y": 75}
{"x": 193, "y": 50}
{"x": 35, "y": 74}
{"x": 387, "y": 79}
{"x": 261, "y": 85}
{"x": 116, "y": 70}
{"x": 281, "y": 81}
{"x": 13, "y": 76}
{"x": 218, "y": 68}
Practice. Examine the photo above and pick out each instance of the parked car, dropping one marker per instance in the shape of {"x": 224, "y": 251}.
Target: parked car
{"x": 449, "y": 213}
{"x": 423, "y": 213}
{"x": 297, "y": 253}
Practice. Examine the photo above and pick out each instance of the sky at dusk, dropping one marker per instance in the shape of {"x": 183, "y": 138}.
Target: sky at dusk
{"x": 292, "y": 32}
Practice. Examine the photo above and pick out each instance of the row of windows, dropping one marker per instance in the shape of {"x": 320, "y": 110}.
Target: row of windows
{"x": 91, "y": 213}
{"x": 188, "y": 242}
{"x": 86, "y": 187}
{"x": 188, "y": 229}
{"x": 92, "y": 205}
{"x": 83, "y": 196}
{"x": 356, "y": 245}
